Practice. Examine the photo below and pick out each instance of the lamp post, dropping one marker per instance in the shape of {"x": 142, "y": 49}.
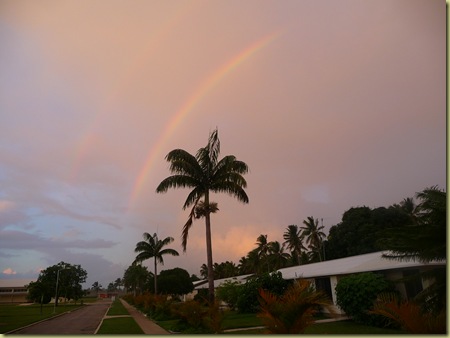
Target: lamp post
{"x": 56, "y": 291}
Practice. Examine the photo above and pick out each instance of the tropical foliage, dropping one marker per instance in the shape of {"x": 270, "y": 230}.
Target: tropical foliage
{"x": 291, "y": 312}
{"x": 409, "y": 315}
{"x": 205, "y": 173}
{"x": 152, "y": 247}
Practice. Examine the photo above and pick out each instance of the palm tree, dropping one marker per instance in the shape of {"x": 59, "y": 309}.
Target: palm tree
{"x": 277, "y": 256}
{"x": 204, "y": 271}
{"x": 314, "y": 235}
{"x": 293, "y": 239}
{"x": 204, "y": 173}
{"x": 263, "y": 249}
{"x": 153, "y": 247}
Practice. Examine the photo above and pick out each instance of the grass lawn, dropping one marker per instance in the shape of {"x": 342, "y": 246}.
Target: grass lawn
{"x": 340, "y": 327}
{"x": 120, "y": 325}
{"x": 14, "y": 316}
{"x": 117, "y": 309}
{"x": 348, "y": 327}
{"x": 234, "y": 320}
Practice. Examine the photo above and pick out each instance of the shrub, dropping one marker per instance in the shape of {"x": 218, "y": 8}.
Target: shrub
{"x": 228, "y": 292}
{"x": 409, "y": 316}
{"x": 293, "y": 311}
{"x": 356, "y": 294}
{"x": 190, "y": 316}
{"x": 247, "y": 301}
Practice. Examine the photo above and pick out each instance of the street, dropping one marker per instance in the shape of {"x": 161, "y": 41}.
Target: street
{"x": 81, "y": 321}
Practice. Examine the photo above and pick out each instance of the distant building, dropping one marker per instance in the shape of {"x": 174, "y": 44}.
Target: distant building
{"x": 13, "y": 290}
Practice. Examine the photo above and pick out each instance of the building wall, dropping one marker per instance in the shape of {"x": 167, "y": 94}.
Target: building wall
{"x": 13, "y": 295}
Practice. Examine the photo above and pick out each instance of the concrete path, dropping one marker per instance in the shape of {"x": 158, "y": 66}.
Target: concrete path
{"x": 147, "y": 325}
{"x": 84, "y": 320}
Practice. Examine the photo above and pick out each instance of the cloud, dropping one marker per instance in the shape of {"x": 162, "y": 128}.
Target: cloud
{"x": 316, "y": 193}
{"x": 9, "y": 271}
{"x": 19, "y": 240}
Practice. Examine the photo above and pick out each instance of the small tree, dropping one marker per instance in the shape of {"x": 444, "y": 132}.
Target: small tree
{"x": 175, "y": 282}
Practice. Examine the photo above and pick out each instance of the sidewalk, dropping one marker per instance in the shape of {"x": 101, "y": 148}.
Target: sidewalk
{"x": 148, "y": 326}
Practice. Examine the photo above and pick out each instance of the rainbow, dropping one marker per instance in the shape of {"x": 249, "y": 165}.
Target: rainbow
{"x": 205, "y": 86}
{"x": 89, "y": 136}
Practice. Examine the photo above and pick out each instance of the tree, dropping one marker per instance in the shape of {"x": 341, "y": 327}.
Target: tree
{"x": 135, "y": 277}
{"x": 118, "y": 283}
{"x": 153, "y": 247}
{"x": 293, "y": 239}
{"x": 250, "y": 263}
{"x": 204, "y": 173}
{"x": 314, "y": 236}
{"x": 69, "y": 282}
{"x": 424, "y": 240}
{"x": 277, "y": 257}
{"x": 96, "y": 286}
{"x": 175, "y": 282}
{"x": 263, "y": 249}
{"x": 40, "y": 292}
{"x": 361, "y": 229}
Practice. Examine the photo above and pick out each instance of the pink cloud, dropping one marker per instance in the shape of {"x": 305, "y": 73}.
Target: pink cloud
{"x": 9, "y": 271}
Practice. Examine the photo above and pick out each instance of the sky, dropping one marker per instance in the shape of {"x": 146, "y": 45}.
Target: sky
{"x": 332, "y": 104}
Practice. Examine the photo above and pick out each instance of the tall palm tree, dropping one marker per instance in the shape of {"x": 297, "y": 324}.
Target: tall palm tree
{"x": 293, "y": 239}
{"x": 153, "y": 247}
{"x": 277, "y": 256}
{"x": 263, "y": 249}
{"x": 314, "y": 235}
{"x": 205, "y": 173}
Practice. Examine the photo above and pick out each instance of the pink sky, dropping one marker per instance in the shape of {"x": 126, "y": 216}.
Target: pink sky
{"x": 332, "y": 104}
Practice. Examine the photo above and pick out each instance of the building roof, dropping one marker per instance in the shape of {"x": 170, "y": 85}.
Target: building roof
{"x": 218, "y": 282}
{"x": 370, "y": 262}
{"x": 348, "y": 265}
{"x": 8, "y": 283}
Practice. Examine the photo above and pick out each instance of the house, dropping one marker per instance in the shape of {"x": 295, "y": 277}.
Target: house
{"x": 325, "y": 275}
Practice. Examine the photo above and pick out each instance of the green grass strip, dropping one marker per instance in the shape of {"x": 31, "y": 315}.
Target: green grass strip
{"x": 117, "y": 309}
{"x": 120, "y": 325}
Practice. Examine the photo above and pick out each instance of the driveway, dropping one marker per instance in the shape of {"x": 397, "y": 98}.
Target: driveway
{"x": 81, "y": 321}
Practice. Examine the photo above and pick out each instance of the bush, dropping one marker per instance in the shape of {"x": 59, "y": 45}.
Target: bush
{"x": 248, "y": 302}
{"x": 293, "y": 311}
{"x": 357, "y": 293}
{"x": 229, "y": 292}
{"x": 191, "y": 317}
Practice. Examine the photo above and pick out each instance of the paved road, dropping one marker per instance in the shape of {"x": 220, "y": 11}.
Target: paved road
{"x": 82, "y": 321}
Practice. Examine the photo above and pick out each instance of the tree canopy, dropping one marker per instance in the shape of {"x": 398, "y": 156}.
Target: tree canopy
{"x": 69, "y": 277}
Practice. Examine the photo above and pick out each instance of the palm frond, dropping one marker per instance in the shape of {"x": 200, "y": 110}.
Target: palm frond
{"x": 177, "y": 181}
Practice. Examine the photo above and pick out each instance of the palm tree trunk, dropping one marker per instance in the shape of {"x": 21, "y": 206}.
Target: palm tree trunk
{"x": 156, "y": 273}
{"x": 209, "y": 253}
